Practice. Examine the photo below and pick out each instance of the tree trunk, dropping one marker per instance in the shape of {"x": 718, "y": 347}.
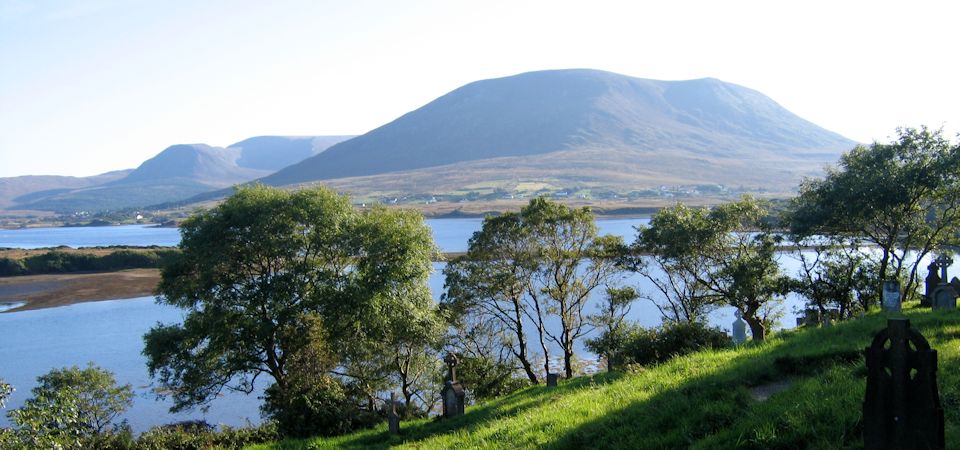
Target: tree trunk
{"x": 756, "y": 325}
{"x": 522, "y": 343}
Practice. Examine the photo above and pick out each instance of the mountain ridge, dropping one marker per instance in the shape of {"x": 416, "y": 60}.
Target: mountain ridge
{"x": 537, "y": 113}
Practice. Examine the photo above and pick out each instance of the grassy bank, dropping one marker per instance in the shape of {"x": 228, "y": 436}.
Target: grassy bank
{"x": 799, "y": 389}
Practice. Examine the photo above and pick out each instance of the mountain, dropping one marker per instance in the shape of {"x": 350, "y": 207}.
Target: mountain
{"x": 179, "y": 172}
{"x": 14, "y": 189}
{"x": 581, "y": 126}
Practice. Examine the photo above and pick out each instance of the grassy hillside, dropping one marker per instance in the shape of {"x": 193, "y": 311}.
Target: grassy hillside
{"x": 798, "y": 390}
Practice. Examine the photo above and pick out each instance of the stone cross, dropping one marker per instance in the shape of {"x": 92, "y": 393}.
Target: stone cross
{"x": 392, "y": 417}
{"x": 453, "y": 396}
{"x": 739, "y": 328}
{"x": 943, "y": 261}
{"x": 901, "y": 406}
{"x": 451, "y": 361}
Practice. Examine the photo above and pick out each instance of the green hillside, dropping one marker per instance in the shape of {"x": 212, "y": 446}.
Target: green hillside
{"x": 814, "y": 380}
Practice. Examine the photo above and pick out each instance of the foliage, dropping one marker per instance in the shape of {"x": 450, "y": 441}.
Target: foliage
{"x": 836, "y": 276}
{"x": 713, "y": 256}
{"x": 69, "y": 406}
{"x": 99, "y": 399}
{"x": 900, "y": 196}
{"x": 312, "y": 402}
{"x": 704, "y": 400}
{"x": 252, "y": 268}
{"x": 646, "y": 346}
{"x": 487, "y": 367}
{"x": 188, "y": 436}
{"x": 55, "y": 261}
{"x": 540, "y": 263}
{"x": 611, "y": 321}
{"x": 5, "y": 391}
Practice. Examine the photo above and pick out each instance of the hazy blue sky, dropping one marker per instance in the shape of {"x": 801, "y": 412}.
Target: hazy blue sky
{"x": 88, "y": 86}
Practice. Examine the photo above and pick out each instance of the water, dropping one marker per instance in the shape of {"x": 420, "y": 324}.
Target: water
{"x": 451, "y": 235}
{"x": 110, "y": 333}
{"x": 76, "y": 237}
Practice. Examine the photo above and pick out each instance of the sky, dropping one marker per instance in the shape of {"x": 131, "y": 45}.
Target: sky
{"x": 90, "y": 86}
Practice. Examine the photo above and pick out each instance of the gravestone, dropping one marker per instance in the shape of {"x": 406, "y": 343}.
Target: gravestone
{"x": 931, "y": 282}
{"x": 739, "y": 328}
{"x": 944, "y": 297}
{"x": 452, "y": 395}
{"x": 901, "y": 407}
{"x": 891, "y": 296}
{"x": 955, "y": 282}
{"x": 393, "y": 418}
{"x": 552, "y": 379}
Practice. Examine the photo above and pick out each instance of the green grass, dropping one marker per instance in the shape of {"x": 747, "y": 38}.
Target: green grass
{"x": 700, "y": 401}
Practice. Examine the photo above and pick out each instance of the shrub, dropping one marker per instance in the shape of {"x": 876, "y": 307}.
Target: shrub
{"x": 655, "y": 345}
{"x": 486, "y": 378}
{"x": 320, "y": 408}
{"x": 11, "y": 267}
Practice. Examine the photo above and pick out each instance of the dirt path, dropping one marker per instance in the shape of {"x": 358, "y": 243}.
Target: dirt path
{"x": 48, "y": 291}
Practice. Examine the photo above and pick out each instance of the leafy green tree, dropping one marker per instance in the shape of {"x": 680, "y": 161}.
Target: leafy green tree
{"x": 254, "y": 266}
{"x": 611, "y": 321}
{"x": 835, "y": 275}
{"x": 69, "y": 407}
{"x": 491, "y": 282}
{"x": 901, "y": 196}
{"x": 719, "y": 257}
{"x": 529, "y": 266}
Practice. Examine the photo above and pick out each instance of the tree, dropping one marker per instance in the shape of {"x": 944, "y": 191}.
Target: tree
{"x": 541, "y": 262}
{"x": 902, "y": 196}
{"x": 718, "y": 257}
{"x": 835, "y": 274}
{"x": 611, "y": 320}
{"x": 253, "y": 267}
{"x": 69, "y": 407}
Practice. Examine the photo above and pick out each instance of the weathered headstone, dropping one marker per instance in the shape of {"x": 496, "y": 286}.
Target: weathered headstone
{"x": 944, "y": 297}
{"x": 931, "y": 282}
{"x": 901, "y": 407}
{"x": 891, "y": 296}
{"x": 739, "y": 328}
{"x": 799, "y": 322}
{"x": 393, "y": 418}
{"x": 552, "y": 379}
{"x": 955, "y": 282}
{"x": 452, "y": 395}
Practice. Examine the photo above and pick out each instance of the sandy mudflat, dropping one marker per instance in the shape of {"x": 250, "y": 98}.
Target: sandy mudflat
{"x": 48, "y": 291}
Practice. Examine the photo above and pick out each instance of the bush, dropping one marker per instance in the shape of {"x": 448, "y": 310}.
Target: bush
{"x": 655, "y": 345}
{"x": 11, "y": 267}
{"x": 321, "y": 408}
{"x": 486, "y": 378}
{"x": 192, "y": 437}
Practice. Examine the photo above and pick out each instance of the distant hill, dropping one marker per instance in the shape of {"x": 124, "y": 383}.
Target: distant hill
{"x": 580, "y": 126}
{"x": 13, "y": 189}
{"x": 178, "y": 172}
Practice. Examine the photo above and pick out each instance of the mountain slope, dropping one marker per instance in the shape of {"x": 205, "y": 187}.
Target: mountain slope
{"x": 179, "y": 172}
{"x": 14, "y": 190}
{"x": 532, "y": 115}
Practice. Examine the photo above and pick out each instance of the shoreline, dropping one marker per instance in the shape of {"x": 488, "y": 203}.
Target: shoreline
{"x": 55, "y": 290}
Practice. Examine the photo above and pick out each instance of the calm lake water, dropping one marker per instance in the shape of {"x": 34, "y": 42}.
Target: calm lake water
{"x": 451, "y": 235}
{"x": 110, "y": 333}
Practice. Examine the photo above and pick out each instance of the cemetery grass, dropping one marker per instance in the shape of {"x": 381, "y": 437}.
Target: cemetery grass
{"x": 702, "y": 401}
